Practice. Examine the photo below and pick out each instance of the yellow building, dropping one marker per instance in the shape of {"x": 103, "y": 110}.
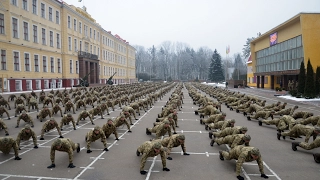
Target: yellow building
{"x": 50, "y": 44}
{"x": 277, "y": 54}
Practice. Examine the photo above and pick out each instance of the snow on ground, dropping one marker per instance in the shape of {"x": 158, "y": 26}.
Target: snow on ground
{"x": 298, "y": 99}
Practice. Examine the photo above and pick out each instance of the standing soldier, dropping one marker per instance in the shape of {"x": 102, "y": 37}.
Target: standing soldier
{"x": 44, "y": 113}
{"x": 232, "y": 140}
{"x": 19, "y": 109}
{"x": 49, "y": 125}
{"x": 95, "y": 134}
{"x": 25, "y": 134}
{"x": 83, "y": 115}
{"x": 68, "y": 107}
{"x": 4, "y": 127}
{"x": 160, "y": 130}
{"x": 6, "y": 143}
{"x": 243, "y": 154}
{"x": 151, "y": 149}
{"x": 110, "y": 128}
{"x": 65, "y": 145}
{"x": 66, "y": 119}
{"x": 33, "y": 103}
{"x": 120, "y": 120}
{"x": 55, "y": 109}
{"x": 26, "y": 117}
{"x": 4, "y": 110}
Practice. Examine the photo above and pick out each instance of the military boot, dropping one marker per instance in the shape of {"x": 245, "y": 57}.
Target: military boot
{"x": 212, "y": 142}
{"x": 196, "y": 112}
{"x": 210, "y": 135}
{"x": 201, "y": 121}
{"x": 237, "y": 111}
{"x": 201, "y": 115}
{"x": 248, "y": 118}
{"x": 221, "y": 156}
{"x": 206, "y": 127}
{"x": 316, "y": 157}
{"x": 148, "y": 132}
{"x": 137, "y": 153}
{"x": 260, "y": 123}
{"x": 294, "y": 145}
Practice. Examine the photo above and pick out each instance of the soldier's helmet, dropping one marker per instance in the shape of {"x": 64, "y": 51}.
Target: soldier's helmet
{"x": 122, "y": 116}
{"x": 255, "y": 151}
{"x": 224, "y": 114}
{"x": 96, "y": 128}
{"x": 157, "y": 145}
{"x": 69, "y": 115}
{"x": 243, "y": 128}
{"x": 52, "y": 119}
{"x": 181, "y": 137}
{"x": 232, "y": 121}
{"x": 166, "y": 122}
{"x": 170, "y": 116}
{"x": 27, "y": 126}
{"x": 24, "y": 112}
{"x": 5, "y": 140}
{"x": 110, "y": 120}
{"x": 58, "y": 142}
{"x": 246, "y": 137}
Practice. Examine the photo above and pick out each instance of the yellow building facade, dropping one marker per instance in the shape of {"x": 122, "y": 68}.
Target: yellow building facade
{"x": 277, "y": 54}
{"x": 50, "y": 44}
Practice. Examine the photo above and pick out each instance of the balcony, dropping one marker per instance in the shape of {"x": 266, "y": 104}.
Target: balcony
{"x": 82, "y": 54}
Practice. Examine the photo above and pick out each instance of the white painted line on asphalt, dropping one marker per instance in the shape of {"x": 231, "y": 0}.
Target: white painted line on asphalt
{"x": 5, "y": 178}
{"x": 87, "y": 168}
{"x": 33, "y": 177}
{"x": 152, "y": 160}
{"x": 207, "y": 154}
{"x": 182, "y": 131}
{"x": 271, "y": 170}
{"x": 259, "y": 175}
{"x": 156, "y": 171}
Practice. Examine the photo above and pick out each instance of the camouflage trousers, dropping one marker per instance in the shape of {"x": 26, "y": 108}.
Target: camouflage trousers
{"x": 309, "y": 146}
{"x": 74, "y": 147}
{"x": 27, "y": 121}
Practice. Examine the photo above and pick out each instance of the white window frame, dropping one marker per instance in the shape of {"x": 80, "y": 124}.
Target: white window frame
{"x": 44, "y": 68}
{"x": 14, "y": 2}
{"x": 25, "y": 5}
{"x": 25, "y": 31}
{"x": 43, "y": 37}
{"x": 75, "y": 24}
{"x": 69, "y": 43}
{"x": 35, "y": 8}
{"x": 29, "y": 83}
{"x": 77, "y": 67}
{"x": 50, "y": 18}
{"x": 33, "y": 34}
{"x": 71, "y": 66}
{"x": 18, "y": 34}
{"x": 69, "y": 21}
{"x": 38, "y": 84}
{"x": 18, "y": 60}
{"x": 52, "y": 63}
{"x": 75, "y": 45}
{"x": 58, "y": 40}
{"x": 18, "y": 85}
{"x": 3, "y": 23}
{"x": 34, "y": 61}
{"x": 80, "y": 27}
{"x": 51, "y": 39}
{"x": 46, "y": 84}
{"x": 59, "y": 69}
{"x": 57, "y": 19}
{"x": 3, "y": 59}
{"x": 43, "y": 13}
{"x": 25, "y": 69}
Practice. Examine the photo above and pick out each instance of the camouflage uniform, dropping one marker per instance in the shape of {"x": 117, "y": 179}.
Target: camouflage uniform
{"x": 26, "y": 117}
{"x": 41, "y": 98}
{"x": 261, "y": 114}
{"x": 4, "y": 127}
{"x": 96, "y": 111}
{"x": 5, "y": 103}
{"x": 49, "y": 125}
{"x": 83, "y": 115}
{"x": 80, "y": 103}
{"x": 303, "y": 130}
{"x": 160, "y": 130}
{"x": 110, "y": 128}
{"x": 270, "y": 122}
{"x": 3, "y": 110}
{"x": 221, "y": 124}
{"x": 230, "y": 131}
{"x": 33, "y": 103}
{"x": 302, "y": 114}
{"x": 243, "y": 154}
{"x": 6, "y": 143}
{"x": 286, "y": 122}
{"x": 68, "y": 107}
{"x": 314, "y": 120}
{"x": 147, "y": 150}
{"x": 130, "y": 111}
{"x": 47, "y": 100}
{"x": 120, "y": 120}
{"x": 18, "y": 101}
{"x": 213, "y": 119}
{"x": 24, "y": 135}
{"x": 233, "y": 140}
{"x": 288, "y": 111}
{"x": 44, "y": 113}
{"x": 19, "y": 109}
{"x": 12, "y": 97}
{"x": 66, "y": 145}
{"x": 173, "y": 141}
{"x": 309, "y": 146}
{"x": 55, "y": 109}
{"x": 66, "y": 119}
{"x": 170, "y": 119}
{"x": 92, "y": 136}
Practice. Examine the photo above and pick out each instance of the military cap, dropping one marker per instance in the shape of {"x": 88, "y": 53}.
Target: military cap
{"x": 110, "y": 120}
{"x": 69, "y": 114}
{"x": 52, "y": 119}
{"x": 181, "y": 137}
{"x": 58, "y": 142}
{"x": 157, "y": 145}
{"x": 170, "y": 116}
{"x": 232, "y": 120}
{"x": 255, "y": 151}
{"x": 122, "y": 116}
{"x": 243, "y": 128}
{"x": 166, "y": 122}
{"x": 224, "y": 114}
{"x": 24, "y": 112}
{"x": 246, "y": 137}
{"x": 317, "y": 129}
{"x": 27, "y": 126}
{"x": 96, "y": 128}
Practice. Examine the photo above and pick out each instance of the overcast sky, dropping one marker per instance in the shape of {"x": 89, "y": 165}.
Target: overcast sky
{"x": 211, "y": 23}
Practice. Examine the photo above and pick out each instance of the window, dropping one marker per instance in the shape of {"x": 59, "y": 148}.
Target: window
{"x": 43, "y": 10}
{"x": 75, "y": 24}
{"x": 18, "y": 84}
{"x": 91, "y": 49}
{"x": 80, "y": 45}
{"x": 80, "y": 27}
{"x": 57, "y": 17}
{"x": 44, "y": 63}
{"x": 50, "y": 13}
{"x": 14, "y": 2}
{"x": 15, "y": 27}
{"x": 59, "y": 65}
{"x": 94, "y": 34}
{"x": 69, "y": 43}
{"x": 77, "y": 67}
{"x": 1, "y": 23}
{"x": 43, "y": 36}
{"x": 25, "y": 31}
{"x": 71, "y": 66}
{"x": 58, "y": 41}
{"x": 90, "y": 33}
{"x": 26, "y": 62}
{"x": 46, "y": 84}
{"x": 52, "y": 64}
{"x": 51, "y": 38}
{"x": 98, "y": 52}
{"x": 75, "y": 45}
{"x": 36, "y": 63}
{"x": 3, "y": 60}
{"x": 16, "y": 61}
{"x": 35, "y": 34}
{"x": 25, "y": 4}
{"x": 94, "y": 50}
{"x": 98, "y": 36}
{"x": 69, "y": 22}
{"x": 85, "y": 30}
{"x": 34, "y": 6}
{"x": 38, "y": 84}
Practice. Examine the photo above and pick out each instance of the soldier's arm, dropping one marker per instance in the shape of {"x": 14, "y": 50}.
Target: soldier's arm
{"x": 34, "y": 138}
{"x": 143, "y": 160}
{"x": 115, "y": 133}
{"x": 70, "y": 153}
{"x": 239, "y": 163}
{"x": 103, "y": 139}
{"x": 128, "y": 126}
{"x": 58, "y": 129}
{"x": 170, "y": 146}
{"x": 308, "y": 137}
{"x": 52, "y": 154}
{"x": 15, "y": 148}
{"x": 260, "y": 164}
{"x": 163, "y": 158}
{"x": 169, "y": 131}
{"x": 18, "y": 139}
{"x": 235, "y": 142}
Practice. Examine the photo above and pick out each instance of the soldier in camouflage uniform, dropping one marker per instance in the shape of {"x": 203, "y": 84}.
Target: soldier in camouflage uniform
{"x": 270, "y": 122}
{"x": 6, "y": 143}
{"x": 302, "y": 114}
{"x": 33, "y": 94}
{"x": 55, "y": 109}
{"x": 95, "y": 134}
{"x": 130, "y": 111}
{"x": 64, "y": 145}
{"x": 303, "y": 130}
{"x": 288, "y": 111}
{"x": 18, "y": 101}
{"x": 221, "y": 124}
{"x": 136, "y": 107}
{"x": 25, "y": 134}
{"x": 3, "y": 110}
{"x": 41, "y": 98}
{"x": 170, "y": 119}
{"x": 109, "y": 128}
{"x": 83, "y": 115}
{"x": 229, "y": 131}
{"x": 80, "y": 103}
{"x": 232, "y": 140}
{"x": 151, "y": 149}
{"x": 120, "y": 120}
{"x": 19, "y": 109}
{"x": 243, "y": 154}
{"x": 314, "y": 120}
{"x": 68, "y": 107}
{"x": 286, "y": 122}
{"x": 173, "y": 141}
{"x": 65, "y": 100}
{"x": 214, "y": 118}
{"x": 66, "y": 119}
{"x": 44, "y": 113}
{"x": 261, "y": 114}
{"x": 49, "y": 125}
{"x": 26, "y": 117}
{"x": 12, "y": 97}
{"x": 5, "y": 103}
{"x": 58, "y": 101}
{"x": 33, "y": 103}
{"x": 306, "y": 146}
{"x": 96, "y": 111}
{"x": 160, "y": 130}
{"x": 4, "y": 127}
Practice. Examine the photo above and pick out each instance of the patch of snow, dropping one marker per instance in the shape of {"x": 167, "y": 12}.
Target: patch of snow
{"x": 298, "y": 99}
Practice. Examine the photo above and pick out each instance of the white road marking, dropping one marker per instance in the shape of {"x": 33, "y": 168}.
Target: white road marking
{"x": 33, "y": 177}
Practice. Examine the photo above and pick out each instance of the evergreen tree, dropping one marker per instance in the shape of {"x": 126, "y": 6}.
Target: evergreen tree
{"x": 309, "y": 90}
{"x": 302, "y": 79}
{"x": 215, "y": 69}
{"x": 317, "y": 82}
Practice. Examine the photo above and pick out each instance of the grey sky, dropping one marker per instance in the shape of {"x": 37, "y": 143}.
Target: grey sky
{"x": 211, "y": 23}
